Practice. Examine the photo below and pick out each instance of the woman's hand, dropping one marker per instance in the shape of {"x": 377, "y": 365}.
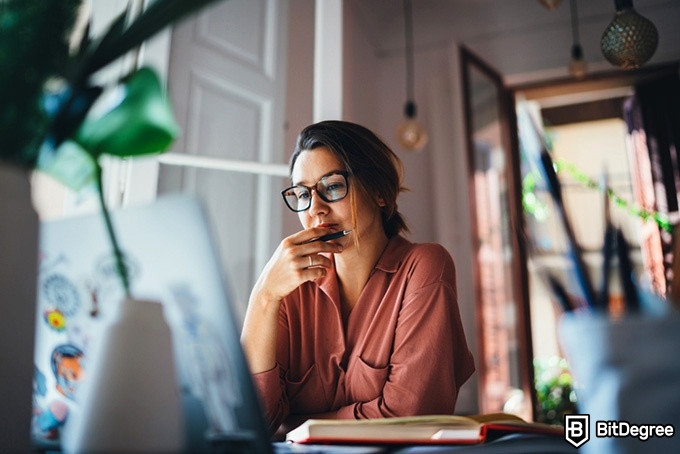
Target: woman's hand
{"x": 297, "y": 260}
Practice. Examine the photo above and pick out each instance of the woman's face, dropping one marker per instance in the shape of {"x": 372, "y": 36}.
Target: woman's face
{"x": 309, "y": 168}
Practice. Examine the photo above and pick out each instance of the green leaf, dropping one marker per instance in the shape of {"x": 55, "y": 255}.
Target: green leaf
{"x": 141, "y": 123}
{"x": 155, "y": 18}
{"x": 33, "y": 48}
{"x": 69, "y": 164}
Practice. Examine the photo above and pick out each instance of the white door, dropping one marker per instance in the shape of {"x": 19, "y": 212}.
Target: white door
{"x": 226, "y": 81}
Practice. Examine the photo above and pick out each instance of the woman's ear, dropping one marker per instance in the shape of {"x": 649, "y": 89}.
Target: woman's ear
{"x": 381, "y": 202}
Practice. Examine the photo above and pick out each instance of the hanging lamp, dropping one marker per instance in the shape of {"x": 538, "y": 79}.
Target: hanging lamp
{"x": 550, "y": 4}
{"x": 577, "y": 65}
{"x": 410, "y": 133}
{"x": 630, "y": 39}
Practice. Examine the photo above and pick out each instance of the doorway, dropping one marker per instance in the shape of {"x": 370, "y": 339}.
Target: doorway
{"x": 585, "y": 147}
{"x": 515, "y": 313}
{"x": 590, "y": 142}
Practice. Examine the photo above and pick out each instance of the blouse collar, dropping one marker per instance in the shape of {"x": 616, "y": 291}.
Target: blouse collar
{"x": 389, "y": 262}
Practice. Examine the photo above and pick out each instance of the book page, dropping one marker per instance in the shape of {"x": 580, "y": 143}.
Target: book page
{"x": 448, "y": 420}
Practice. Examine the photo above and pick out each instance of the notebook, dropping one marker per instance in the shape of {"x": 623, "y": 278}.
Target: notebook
{"x": 173, "y": 259}
{"x": 421, "y": 429}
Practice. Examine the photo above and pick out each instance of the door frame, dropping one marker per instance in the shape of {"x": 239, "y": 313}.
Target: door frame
{"x": 520, "y": 287}
{"x": 508, "y": 97}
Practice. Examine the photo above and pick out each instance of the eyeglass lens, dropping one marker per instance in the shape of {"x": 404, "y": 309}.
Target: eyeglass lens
{"x": 330, "y": 188}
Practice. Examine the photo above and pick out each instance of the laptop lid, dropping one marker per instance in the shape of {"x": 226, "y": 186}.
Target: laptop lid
{"x": 172, "y": 259}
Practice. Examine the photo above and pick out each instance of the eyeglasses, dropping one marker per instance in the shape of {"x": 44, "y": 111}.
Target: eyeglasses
{"x": 330, "y": 188}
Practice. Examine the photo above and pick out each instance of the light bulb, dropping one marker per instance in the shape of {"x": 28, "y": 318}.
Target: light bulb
{"x": 577, "y": 65}
{"x": 550, "y": 4}
{"x": 578, "y": 68}
{"x": 411, "y": 135}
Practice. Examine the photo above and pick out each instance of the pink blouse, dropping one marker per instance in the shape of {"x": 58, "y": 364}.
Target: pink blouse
{"x": 402, "y": 351}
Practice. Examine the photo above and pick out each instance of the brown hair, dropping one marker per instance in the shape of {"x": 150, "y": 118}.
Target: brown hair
{"x": 373, "y": 167}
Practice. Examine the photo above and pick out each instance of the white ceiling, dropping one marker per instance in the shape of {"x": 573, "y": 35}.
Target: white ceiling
{"x": 514, "y": 36}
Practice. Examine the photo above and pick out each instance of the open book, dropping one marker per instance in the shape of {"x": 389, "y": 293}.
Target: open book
{"x": 432, "y": 429}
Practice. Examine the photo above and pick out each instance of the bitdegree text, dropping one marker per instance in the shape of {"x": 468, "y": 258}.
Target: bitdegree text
{"x": 643, "y": 432}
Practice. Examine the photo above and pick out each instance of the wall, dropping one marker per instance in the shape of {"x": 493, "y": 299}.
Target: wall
{"x": 375, "y": 92}
{"x": 299, "y": 86}
{"x": 437, "y": 206}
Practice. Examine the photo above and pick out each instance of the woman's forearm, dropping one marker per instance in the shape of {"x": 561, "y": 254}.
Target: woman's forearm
{"x": 258, "y": 336}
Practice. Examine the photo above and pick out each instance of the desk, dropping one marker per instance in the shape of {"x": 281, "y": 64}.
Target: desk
{"x": 509, "y": 444}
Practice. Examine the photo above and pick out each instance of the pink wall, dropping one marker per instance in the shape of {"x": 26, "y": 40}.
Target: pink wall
{"x": 437, "y": 205}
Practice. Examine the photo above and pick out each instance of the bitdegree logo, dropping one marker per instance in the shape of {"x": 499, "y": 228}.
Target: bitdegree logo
{"x": 576, "y": 430}
{"x": 604, "y": 429}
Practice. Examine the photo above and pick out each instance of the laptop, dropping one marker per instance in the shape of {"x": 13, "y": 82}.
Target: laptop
{"x": 172, "y": 259}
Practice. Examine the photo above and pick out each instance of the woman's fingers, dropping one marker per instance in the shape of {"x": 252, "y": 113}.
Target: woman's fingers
{"x": 315, "y": 261}
{"x": 293, "y": 264}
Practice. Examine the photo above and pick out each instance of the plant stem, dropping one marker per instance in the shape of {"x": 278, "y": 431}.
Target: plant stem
{"x": 118, "y": 255}
{"x": 661, "y": 220}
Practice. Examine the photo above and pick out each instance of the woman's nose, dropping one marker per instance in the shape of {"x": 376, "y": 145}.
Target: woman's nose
{"x": 318, "y": 205}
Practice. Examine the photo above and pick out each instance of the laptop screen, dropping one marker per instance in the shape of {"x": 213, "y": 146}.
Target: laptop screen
{"x": 171, "y": 258}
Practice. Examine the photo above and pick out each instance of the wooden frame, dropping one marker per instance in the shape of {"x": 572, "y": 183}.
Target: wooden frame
{"x": 495, "y": 360}
{"x": 507, "y": 96}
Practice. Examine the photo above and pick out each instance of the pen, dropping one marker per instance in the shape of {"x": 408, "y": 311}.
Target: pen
{"x": 630, "y": 293}
{"x": 560, "y": 293}
{"x": 330, "y": 236}
{"x": 607, "y": 255}
{"x": 537, "y": 151}
{"x": 554, "y": 188}
{"x": 607, "y": 248}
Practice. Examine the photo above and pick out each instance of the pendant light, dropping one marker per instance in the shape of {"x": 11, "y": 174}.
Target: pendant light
{"x": 550, "y": 4}
{"x": 630, "y": 39}
{"x": 577, "y": 65}
{"x": 410, "y": 133}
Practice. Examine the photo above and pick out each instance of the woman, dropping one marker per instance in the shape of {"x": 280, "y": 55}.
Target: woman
{"x": 363, "y": 326}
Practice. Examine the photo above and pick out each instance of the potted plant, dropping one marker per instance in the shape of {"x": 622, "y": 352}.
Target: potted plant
{"x": 554, "y": 390}
{"x": 53, "y": 117}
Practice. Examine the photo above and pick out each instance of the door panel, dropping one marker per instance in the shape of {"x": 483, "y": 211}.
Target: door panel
{"x": 226, "y": 83}
{"x": 504, "y": 342}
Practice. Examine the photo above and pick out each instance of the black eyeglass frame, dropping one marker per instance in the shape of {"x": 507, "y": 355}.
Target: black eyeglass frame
{"x": 344, "y": 174}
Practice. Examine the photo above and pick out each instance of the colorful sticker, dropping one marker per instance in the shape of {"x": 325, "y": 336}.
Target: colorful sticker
{"x": 47, "y": 418}
{"x": 61, "y": 293}
{"x": 55, "y": 319}
{"x": 107, "y": 267}
{"x": 68, "y": 369}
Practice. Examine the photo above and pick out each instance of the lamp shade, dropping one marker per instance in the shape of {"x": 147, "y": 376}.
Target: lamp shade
{"x": 630, "y": 39}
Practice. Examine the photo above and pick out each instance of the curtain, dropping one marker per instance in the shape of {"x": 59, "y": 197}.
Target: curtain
{"x": 653, "y": 118}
